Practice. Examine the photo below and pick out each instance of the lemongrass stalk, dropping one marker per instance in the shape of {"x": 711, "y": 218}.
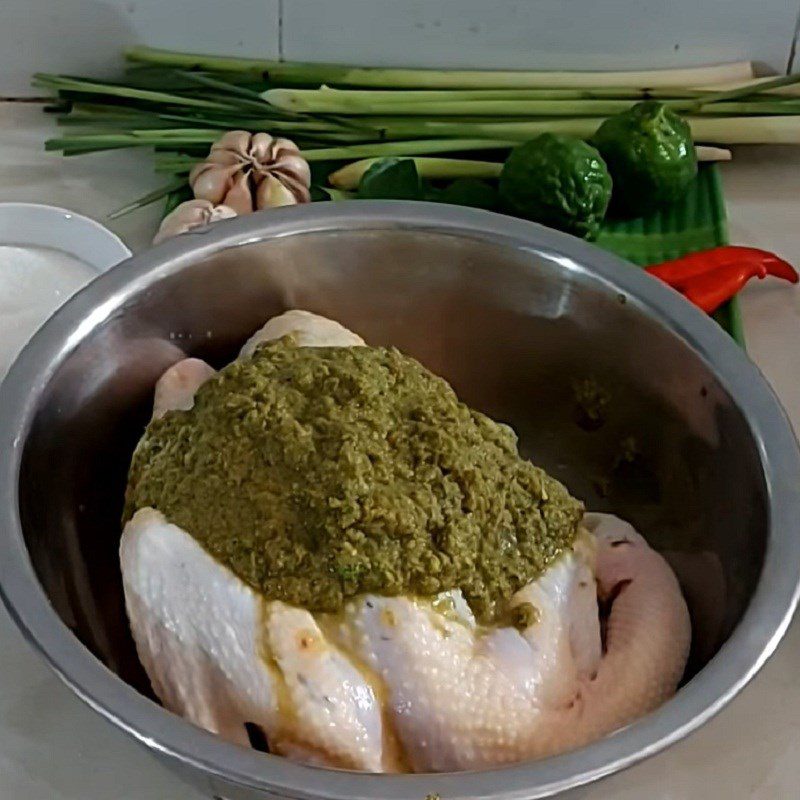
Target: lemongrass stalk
{"x": 756, "y": 108}
{"x": 338, "y": 124}
{"x": 348, "y": 177}
{"x": 413, "y": 95}
{"x": 197, "y": 61}
{"x": 421, "y": 78}
{"x": 298, "y": 73}
{"x": 545, "y": 108}
{"x": 405, "y": 148}
{"x": 756, "y": 85}
{"x": 487, "y": 108}
{"x": 708, "y": 130}
{"x": 563, "y": 102}
{"x": 705, "y": 153}
{"x": 326, "y": 98}
{"x": 61, "y": 83}
{"x": 746, "y": 130}
{"x": 394, "y": 128}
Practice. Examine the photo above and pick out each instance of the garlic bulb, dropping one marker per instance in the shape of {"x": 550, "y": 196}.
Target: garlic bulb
{"x": 189, "y": 215}
{"x": 252, "y": 171}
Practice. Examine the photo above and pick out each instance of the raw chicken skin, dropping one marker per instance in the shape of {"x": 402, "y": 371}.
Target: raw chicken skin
{"x": 176, "y": 388}
{"x": 309, "y": 330}
{"x": 219, "y": 655}
{"x": 395, "y": 684}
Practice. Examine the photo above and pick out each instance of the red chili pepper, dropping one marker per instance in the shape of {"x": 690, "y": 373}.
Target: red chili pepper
{"x": 711, "y": 277}
{"x": 680, "y": 269}
{"x": 711, "y": 289}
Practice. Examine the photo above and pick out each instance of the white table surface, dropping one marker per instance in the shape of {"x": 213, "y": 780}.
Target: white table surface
{"x": 49, "y": 740}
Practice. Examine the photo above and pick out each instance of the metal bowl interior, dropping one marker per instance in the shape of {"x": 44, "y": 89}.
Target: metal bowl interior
{"x": 692, "y": 446}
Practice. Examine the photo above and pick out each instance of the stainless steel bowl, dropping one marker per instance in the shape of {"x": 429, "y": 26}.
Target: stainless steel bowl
{"x": 694, "y": 448}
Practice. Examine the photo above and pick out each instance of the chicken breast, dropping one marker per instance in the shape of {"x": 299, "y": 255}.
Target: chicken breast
{"x": 393, "y": 683}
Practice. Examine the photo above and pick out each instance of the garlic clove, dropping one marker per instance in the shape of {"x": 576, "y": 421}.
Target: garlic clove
{"x": 295, "y": 166}
{"x": 300, "y": 192}
{"x": 211, "y": 185}
{"x": 296, "y": 174}
{"x": 262, "y": 147}
{"x": 239, "y": 196}
{"x": 219, "y": 213}
{"x": 237, "y": 141}
{"x": 212, "y": 182}
{"x": 283, "y": 148}
{"x": 191, "y": 215}
{"x": 292, "y": 172}
{"x": 205, "y": 182}
{"x": 225, "y": 158}
{"x": 272, "y": 193}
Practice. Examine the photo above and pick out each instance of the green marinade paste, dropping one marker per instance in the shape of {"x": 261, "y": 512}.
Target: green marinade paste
{"x": 316, "y": 474}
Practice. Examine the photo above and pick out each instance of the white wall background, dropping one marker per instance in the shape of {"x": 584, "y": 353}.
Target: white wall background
{"x": 86, "y": 36}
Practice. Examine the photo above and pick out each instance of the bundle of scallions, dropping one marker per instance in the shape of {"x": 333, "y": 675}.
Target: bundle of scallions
{"x": 455, "y": 123}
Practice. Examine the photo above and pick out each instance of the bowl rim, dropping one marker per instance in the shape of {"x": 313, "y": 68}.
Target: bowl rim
{"x": 750, "y": 645}
{"x": 76, "y": 234}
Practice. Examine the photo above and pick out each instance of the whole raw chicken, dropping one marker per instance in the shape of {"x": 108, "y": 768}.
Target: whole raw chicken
{"x": 395, "y": 684}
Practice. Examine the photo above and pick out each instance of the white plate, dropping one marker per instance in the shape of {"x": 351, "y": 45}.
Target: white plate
{"x": 38, "y": 225}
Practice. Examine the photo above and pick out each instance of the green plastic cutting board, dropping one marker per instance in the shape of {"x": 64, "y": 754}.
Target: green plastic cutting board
{"x": 698, "y": 222}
